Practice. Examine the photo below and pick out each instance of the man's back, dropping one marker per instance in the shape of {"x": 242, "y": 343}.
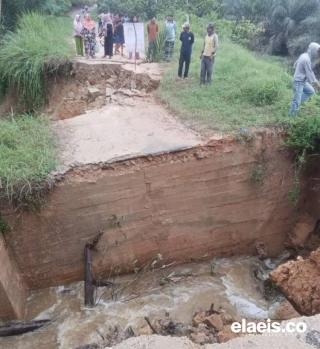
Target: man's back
{"x": 303, "y": 69}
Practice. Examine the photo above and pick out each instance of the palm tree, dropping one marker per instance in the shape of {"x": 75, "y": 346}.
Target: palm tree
{"x": 292, "y": 25}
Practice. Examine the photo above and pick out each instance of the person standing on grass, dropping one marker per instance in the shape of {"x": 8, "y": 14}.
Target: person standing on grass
{"x": 78, "y": 27}
{"x": 171, "y": 29}
{"x": 304, "y": 80}
{"x": 89, "y": 35}
{"x": 119, "y": 36}
{"x": 210, "y": 47}
{"x": 153, "y": 30}
{"x": 107, "y": 28}
{"x": 187, "y": 40}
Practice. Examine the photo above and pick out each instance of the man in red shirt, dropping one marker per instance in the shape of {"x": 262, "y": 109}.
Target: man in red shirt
{"x": 153, "y": 30}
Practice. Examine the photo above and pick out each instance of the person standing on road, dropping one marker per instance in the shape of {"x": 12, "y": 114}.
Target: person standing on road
{"x": 171, "y": 29}
{"x": 153, "y": 30}
{"x": 304, "y": 80}
{"x": 210, "y": 47}
{"x": 119, "y": 37}
{"x": 108, "y": 35}
{"x": 78, "y": 27}
{"x": 187, "y": 40}
{"x": 89, "y": 35}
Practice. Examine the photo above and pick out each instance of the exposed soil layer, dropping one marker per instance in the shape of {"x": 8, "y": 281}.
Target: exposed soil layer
{"x": 300, "y": 281}
{"x": 185, "y": 205}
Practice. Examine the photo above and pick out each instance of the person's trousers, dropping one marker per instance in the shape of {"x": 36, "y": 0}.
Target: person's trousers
{"x": 185, "y": 58}
{"x": 302, "y": 91}
{"x": 79, "y": 45}
{"x": 168, "y": 50}
{"x": 151, "y": 51}
{"x": 206, "y": 70}
{"x": 108, "y": 46}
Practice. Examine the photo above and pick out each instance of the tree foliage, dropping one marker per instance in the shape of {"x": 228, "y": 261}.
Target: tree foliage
{"x": 12, "y": 9}
{"x": 289, "y": 25}
{"x": 149, "y": 8}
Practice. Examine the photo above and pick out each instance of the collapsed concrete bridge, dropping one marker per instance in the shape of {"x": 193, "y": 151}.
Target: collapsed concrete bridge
{"x": 149, "y": 185}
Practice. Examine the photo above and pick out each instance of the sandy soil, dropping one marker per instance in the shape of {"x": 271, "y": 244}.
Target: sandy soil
{"x": 115, "y": 131}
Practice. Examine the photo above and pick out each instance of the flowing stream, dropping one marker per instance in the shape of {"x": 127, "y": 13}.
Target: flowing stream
{"x": 176, "y": 291}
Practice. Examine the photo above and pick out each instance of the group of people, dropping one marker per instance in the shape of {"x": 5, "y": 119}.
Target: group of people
{"x": 187, "y": 38}
{"x": 208, "y": 53}
{"x": 109, "y": 29}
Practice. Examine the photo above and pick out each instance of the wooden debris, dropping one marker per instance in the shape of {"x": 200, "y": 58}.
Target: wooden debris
{"x": 16, "y": 328}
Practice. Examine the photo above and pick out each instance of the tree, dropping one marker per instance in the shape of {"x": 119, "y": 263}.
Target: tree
{"x": 292, "y": 25}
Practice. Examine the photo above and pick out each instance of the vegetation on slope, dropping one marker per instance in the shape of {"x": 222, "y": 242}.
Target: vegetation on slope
{"x": 27, "y": 156}
{"x": 248, "y": 90}
{"x": 39, "y": 48}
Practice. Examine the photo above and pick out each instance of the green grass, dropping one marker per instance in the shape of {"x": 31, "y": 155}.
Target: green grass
{"x": 27, "y": 156}
{"x": 37, "y": 49}
{"x": 248, "y": 90}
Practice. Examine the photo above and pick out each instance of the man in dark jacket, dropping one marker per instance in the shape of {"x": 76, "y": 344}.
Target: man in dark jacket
{"x": 187, "y": 40}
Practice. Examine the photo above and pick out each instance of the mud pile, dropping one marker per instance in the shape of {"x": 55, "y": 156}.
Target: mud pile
{"x": 92, "y": 85}
{"x": 300, "y": 281}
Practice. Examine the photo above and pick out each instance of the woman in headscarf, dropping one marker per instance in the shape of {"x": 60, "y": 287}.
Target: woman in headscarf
{"x": 78, "y": 27}
{"x": 89, "y": 35}
{"x": 108, "y": 35}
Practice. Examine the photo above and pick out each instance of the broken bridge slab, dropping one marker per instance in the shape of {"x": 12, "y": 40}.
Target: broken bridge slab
{"x": 121, "y": 132}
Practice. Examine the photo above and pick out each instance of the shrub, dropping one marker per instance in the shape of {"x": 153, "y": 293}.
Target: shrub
{"x": 159, "y": 45}
{"x": 12, "y": 9}
{"x": 244, "y": 32}
{"x": 39, "y": 48}
{"x": 55, "y": 7}
{"x": 27, "y": 156}
{"x": 262, "y": 93}
{"x": 304, "y": 133}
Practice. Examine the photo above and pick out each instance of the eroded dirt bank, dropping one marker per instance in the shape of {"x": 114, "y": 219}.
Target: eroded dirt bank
{"x": 193, "y": 204}
{"x": 300, "y": 281}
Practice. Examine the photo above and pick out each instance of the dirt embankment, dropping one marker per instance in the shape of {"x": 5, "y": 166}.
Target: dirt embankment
{"x": 299, "y": 279}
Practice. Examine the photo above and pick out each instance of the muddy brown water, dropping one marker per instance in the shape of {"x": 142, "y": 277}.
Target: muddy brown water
{"x": 177, "y": 291}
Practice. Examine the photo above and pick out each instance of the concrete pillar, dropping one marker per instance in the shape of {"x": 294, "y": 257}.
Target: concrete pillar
{"x": 13, "y": 291}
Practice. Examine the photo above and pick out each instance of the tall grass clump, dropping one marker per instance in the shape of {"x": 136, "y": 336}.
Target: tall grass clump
{"x": 38, "y": 48}
{"x": 27, "y": 156}
{"x": 159, "y": 45}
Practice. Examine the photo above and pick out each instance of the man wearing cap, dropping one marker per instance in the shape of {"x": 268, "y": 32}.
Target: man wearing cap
{"x": 210, "y": 47}
{"x": 187, "y": 40}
